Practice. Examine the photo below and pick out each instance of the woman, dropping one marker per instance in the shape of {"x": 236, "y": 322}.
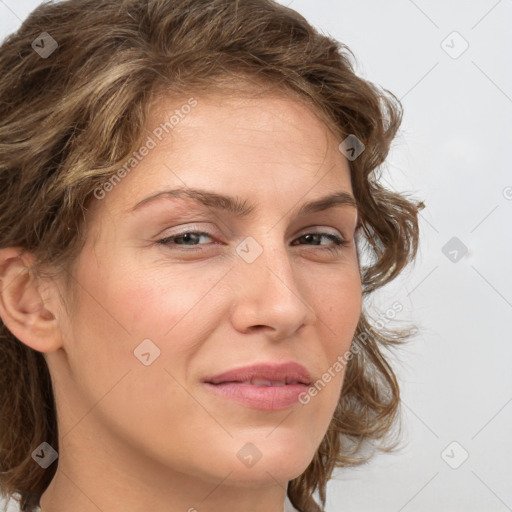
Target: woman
{"x": 190, "y": 220}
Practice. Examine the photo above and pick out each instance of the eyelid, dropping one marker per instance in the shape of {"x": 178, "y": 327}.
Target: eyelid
{"x": 307, "y": 230}
{"x": 318, "y": 228}
{"x": 338, "y": 240}
{"x": 186, "y": 228}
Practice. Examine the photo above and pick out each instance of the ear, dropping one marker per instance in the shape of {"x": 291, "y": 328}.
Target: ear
{"x": 26, "y": 302}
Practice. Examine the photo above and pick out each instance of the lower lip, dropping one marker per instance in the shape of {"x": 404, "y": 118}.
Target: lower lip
{"x": 267, "y": 398}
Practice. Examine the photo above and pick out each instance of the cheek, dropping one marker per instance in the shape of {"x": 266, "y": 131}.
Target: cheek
{"x": 340, "y": 304}
{"x": 174, "y": 308}
{"x": 135, "y": 304}
{"x": 117, "y": 312}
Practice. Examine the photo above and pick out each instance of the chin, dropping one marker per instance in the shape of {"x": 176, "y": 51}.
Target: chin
{"x": 264, "y": 460}
{"x": 266, "y": 475}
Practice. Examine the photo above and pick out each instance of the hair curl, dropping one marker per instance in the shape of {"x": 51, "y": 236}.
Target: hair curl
{"x": 69, "y": 121}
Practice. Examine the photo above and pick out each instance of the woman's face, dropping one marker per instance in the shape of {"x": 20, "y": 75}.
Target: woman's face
{"x": 159, "y": 312}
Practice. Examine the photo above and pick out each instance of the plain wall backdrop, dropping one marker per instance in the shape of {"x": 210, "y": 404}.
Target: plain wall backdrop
{"x": 450, "y": 65}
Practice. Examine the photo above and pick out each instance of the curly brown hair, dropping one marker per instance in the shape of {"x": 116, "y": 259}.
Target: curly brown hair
{"x": 69, "y": 120}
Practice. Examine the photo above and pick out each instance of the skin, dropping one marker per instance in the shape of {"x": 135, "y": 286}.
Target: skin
{"x": 135, "y": 437}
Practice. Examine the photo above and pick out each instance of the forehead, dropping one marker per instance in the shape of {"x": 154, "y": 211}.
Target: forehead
{"x": 266, "y": 130}
{"x": 246, "y": 146}
{"x": 277, "y": 121}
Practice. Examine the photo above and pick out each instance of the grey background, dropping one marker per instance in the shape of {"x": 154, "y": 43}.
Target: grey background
{"x": 452, "y": 152}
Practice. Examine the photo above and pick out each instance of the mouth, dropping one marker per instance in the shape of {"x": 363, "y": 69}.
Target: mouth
{"x": 264, "y": 374}
{"x": 264, "y": 386}
{"x": 261, "y": 382}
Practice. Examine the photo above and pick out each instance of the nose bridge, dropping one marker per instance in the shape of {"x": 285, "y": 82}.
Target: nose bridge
{"x": 267, "y": 255}
{"x": 268, "y": 291}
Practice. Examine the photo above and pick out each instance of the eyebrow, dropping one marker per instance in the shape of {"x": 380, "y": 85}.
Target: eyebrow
{"x": 241, "y": 208}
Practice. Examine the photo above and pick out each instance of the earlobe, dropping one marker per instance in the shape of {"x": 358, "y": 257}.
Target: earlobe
{"x": 22, "y": 306}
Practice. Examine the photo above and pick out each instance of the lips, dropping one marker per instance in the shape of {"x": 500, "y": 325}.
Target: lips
{"x": 263, "y": 386}
{"x": 265, "y": 374}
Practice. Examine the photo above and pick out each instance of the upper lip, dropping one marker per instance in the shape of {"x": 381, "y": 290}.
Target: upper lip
{"x": 290, "y": 373}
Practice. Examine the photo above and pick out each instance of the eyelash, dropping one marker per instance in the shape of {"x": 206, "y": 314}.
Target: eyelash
{"x": 339, "y": 243}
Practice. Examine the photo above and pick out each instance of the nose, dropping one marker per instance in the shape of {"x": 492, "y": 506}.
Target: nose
{"x": 270, "y": 293}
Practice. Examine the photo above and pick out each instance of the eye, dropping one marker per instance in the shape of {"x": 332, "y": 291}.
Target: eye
{"x": 339, "y": 242}
{"x": 186, "y": 241}
{"x": 189, "y": 237}
{"x": 191, "y": 240}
